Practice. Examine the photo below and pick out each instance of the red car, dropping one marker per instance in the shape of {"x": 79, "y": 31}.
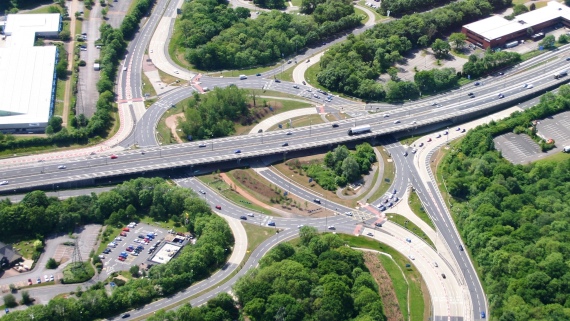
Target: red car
{"x": 123, "y": 234}
{"x": 218, "y": 207}
{"x": 121, "y": 258}
{"x": 29, "y": 281}
{"x": 126, "y": 229}
{"x": 429, "y": 140}
{"x": 114, "y": 156}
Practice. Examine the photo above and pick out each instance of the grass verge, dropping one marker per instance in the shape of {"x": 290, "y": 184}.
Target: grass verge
{"x": 278, "y": 106}
{"x": 164, "y": 134}
{"x": 418, "y": 209}
{"x": 299, "y": 122}
{"x": 224, "y": 189}
{"x": 147, "y": 86}
{"x": 60, "y": 96}
{"x": 389, "y": 174}
{"x": 419, "y": 297}
{"x": 78, "y": 273}
{"x": 401, "y": 220}
{"x": 362, "y": 13}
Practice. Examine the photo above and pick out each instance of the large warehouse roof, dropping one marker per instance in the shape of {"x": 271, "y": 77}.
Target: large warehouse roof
{"x": 26, "y": 81}
{"x": 38, "y": 23}
{"x": 26, "y": 71}
{"x": 496, "y": 26}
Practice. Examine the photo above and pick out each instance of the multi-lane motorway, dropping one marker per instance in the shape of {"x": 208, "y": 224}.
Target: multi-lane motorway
{"x": 445, "y": 109}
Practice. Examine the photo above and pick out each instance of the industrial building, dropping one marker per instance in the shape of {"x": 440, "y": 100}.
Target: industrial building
{"x": 496, "y": 31}
{"x": 28, "y": 79}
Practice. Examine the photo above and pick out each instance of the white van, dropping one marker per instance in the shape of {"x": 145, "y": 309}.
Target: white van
{"x": 567, "y": 149}
{"x": 242, "y": 77}
{"x": 125, "y": 68}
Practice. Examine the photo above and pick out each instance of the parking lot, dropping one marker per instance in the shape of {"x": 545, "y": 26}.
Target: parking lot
{"x": 134, "y": 238}
{"x": 517, "y": 149}
{"x": 556, "y": 127}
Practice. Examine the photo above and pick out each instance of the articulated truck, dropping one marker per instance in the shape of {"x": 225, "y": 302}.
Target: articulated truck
{"x": 560, "y": 74}
{"x": 359, "y": 130}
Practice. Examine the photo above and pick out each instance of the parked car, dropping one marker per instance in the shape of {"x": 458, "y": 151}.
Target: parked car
{"x": 29, "y": 281}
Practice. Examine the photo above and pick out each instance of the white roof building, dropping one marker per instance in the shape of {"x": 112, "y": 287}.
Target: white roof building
{"x": 27, "y": 72}
{"x": 496, "y": 30}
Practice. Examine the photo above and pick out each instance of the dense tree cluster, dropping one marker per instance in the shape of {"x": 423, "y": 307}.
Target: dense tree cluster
{"x": 39, "y": 214}
{"x": 341, "y": 166}
{"x": 476, "y": 66}
{"x": 270, "y": 4}
{"x": 400, "y": 7}
{"x": 202, "y": 20}
{"x": 131, "y": 21}
{"x": 321, "y": 279}
{"x": 515, "y": 219}
{"x": 272, "y": 36}
{"x": 213, "y": 115}
{"x": 436, "y": 79}
{"x": 220, "y": 308}
{"x": 353, "y": 66}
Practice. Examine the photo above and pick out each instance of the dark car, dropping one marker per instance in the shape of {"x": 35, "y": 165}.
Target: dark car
{"x": 277, "y": 80}
{"x": 335, "y": 125}
{"x": 141, "y": 236}
{"x": 237, "y": 152}
{"x": 304, "y": 83}
{"x": 258, "y": 75}
{"x": 443, "y": 275}
{"x": 477, "y": 83}
{"x": 285, "y": 144}
{"x": 470, "y": 94}
{"x": 271, "y": 223}
{"x": 460, "y": 247}
{"x": 378, "y": 224}
{"x": 126, "y": 315}
{"x": 243, "y": 218}
{"x": 483, "y": 315}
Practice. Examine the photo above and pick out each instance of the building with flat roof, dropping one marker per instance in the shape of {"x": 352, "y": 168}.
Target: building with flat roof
{"x": 496, "y": 31}
{"x": 27, "y": 73}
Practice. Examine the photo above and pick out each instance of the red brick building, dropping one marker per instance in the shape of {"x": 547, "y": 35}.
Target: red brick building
{"x": 496, "y": 31}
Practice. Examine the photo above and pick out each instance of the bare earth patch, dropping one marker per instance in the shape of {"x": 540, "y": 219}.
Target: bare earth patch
{"x": 385, "y": 286}
{"x": 172, "y": 123}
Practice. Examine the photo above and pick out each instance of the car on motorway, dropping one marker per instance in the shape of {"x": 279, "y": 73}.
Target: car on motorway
{"x": 238, "y": 151}
{"x": 295, "y": 86}
{"x": 284, "y": 144}
{"x": 316, "y": 200}
{"x": 61, "y": 167}
{"x": 445, "y": 132}
{"x": 463, "y": 130}
{"x": 529, "y": 86}
{"x": 4, "y": 183}
{"x": 113, "y": 156}
{"x": 435, "y": 264}
{"x": 218, "y": 207}
{"x": 483, "y": 315}
{"x": 460, "y": 247}
{"x": 421, "y": 145}
{"x": 258, "y": 74}
{"x": 277, "y": 80}
{"x": 331, "y": 227}
{"x": 202, "y": 192}
{"x": 250, "y": 214}
{"x": 477, "y": 83}
{"x": 243, "y": 217}
{"x": 202, "y": 145}
{"x": 434, "y": 103}
{"x": 126, "y": 315}
{"x": 568, "y": 59}
{"x": 308, "y": 60}
{"x": 438, "y": 136}
{"x": 443, "y": 275}
{"x": 396, "y": 121}
{"x": 405, "y": 154}
{"x": 335, "y": 125}
{"x": 470, "y": 94}
{"x": 289, "y": 133}
{"x": 348, "y": 213}
{"x": 271, "y": 223}
{"x": 300, "y": 225}
{"x": 429, "y": 139}
{"x": 409, "y": 240}
{"x": 501, "y": 96}
{"x": 414, "y": 151}
{"x": 458, "y": 129}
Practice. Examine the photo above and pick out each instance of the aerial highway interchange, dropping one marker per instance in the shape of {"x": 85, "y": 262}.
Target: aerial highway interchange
{"x": 462, "y": 301}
